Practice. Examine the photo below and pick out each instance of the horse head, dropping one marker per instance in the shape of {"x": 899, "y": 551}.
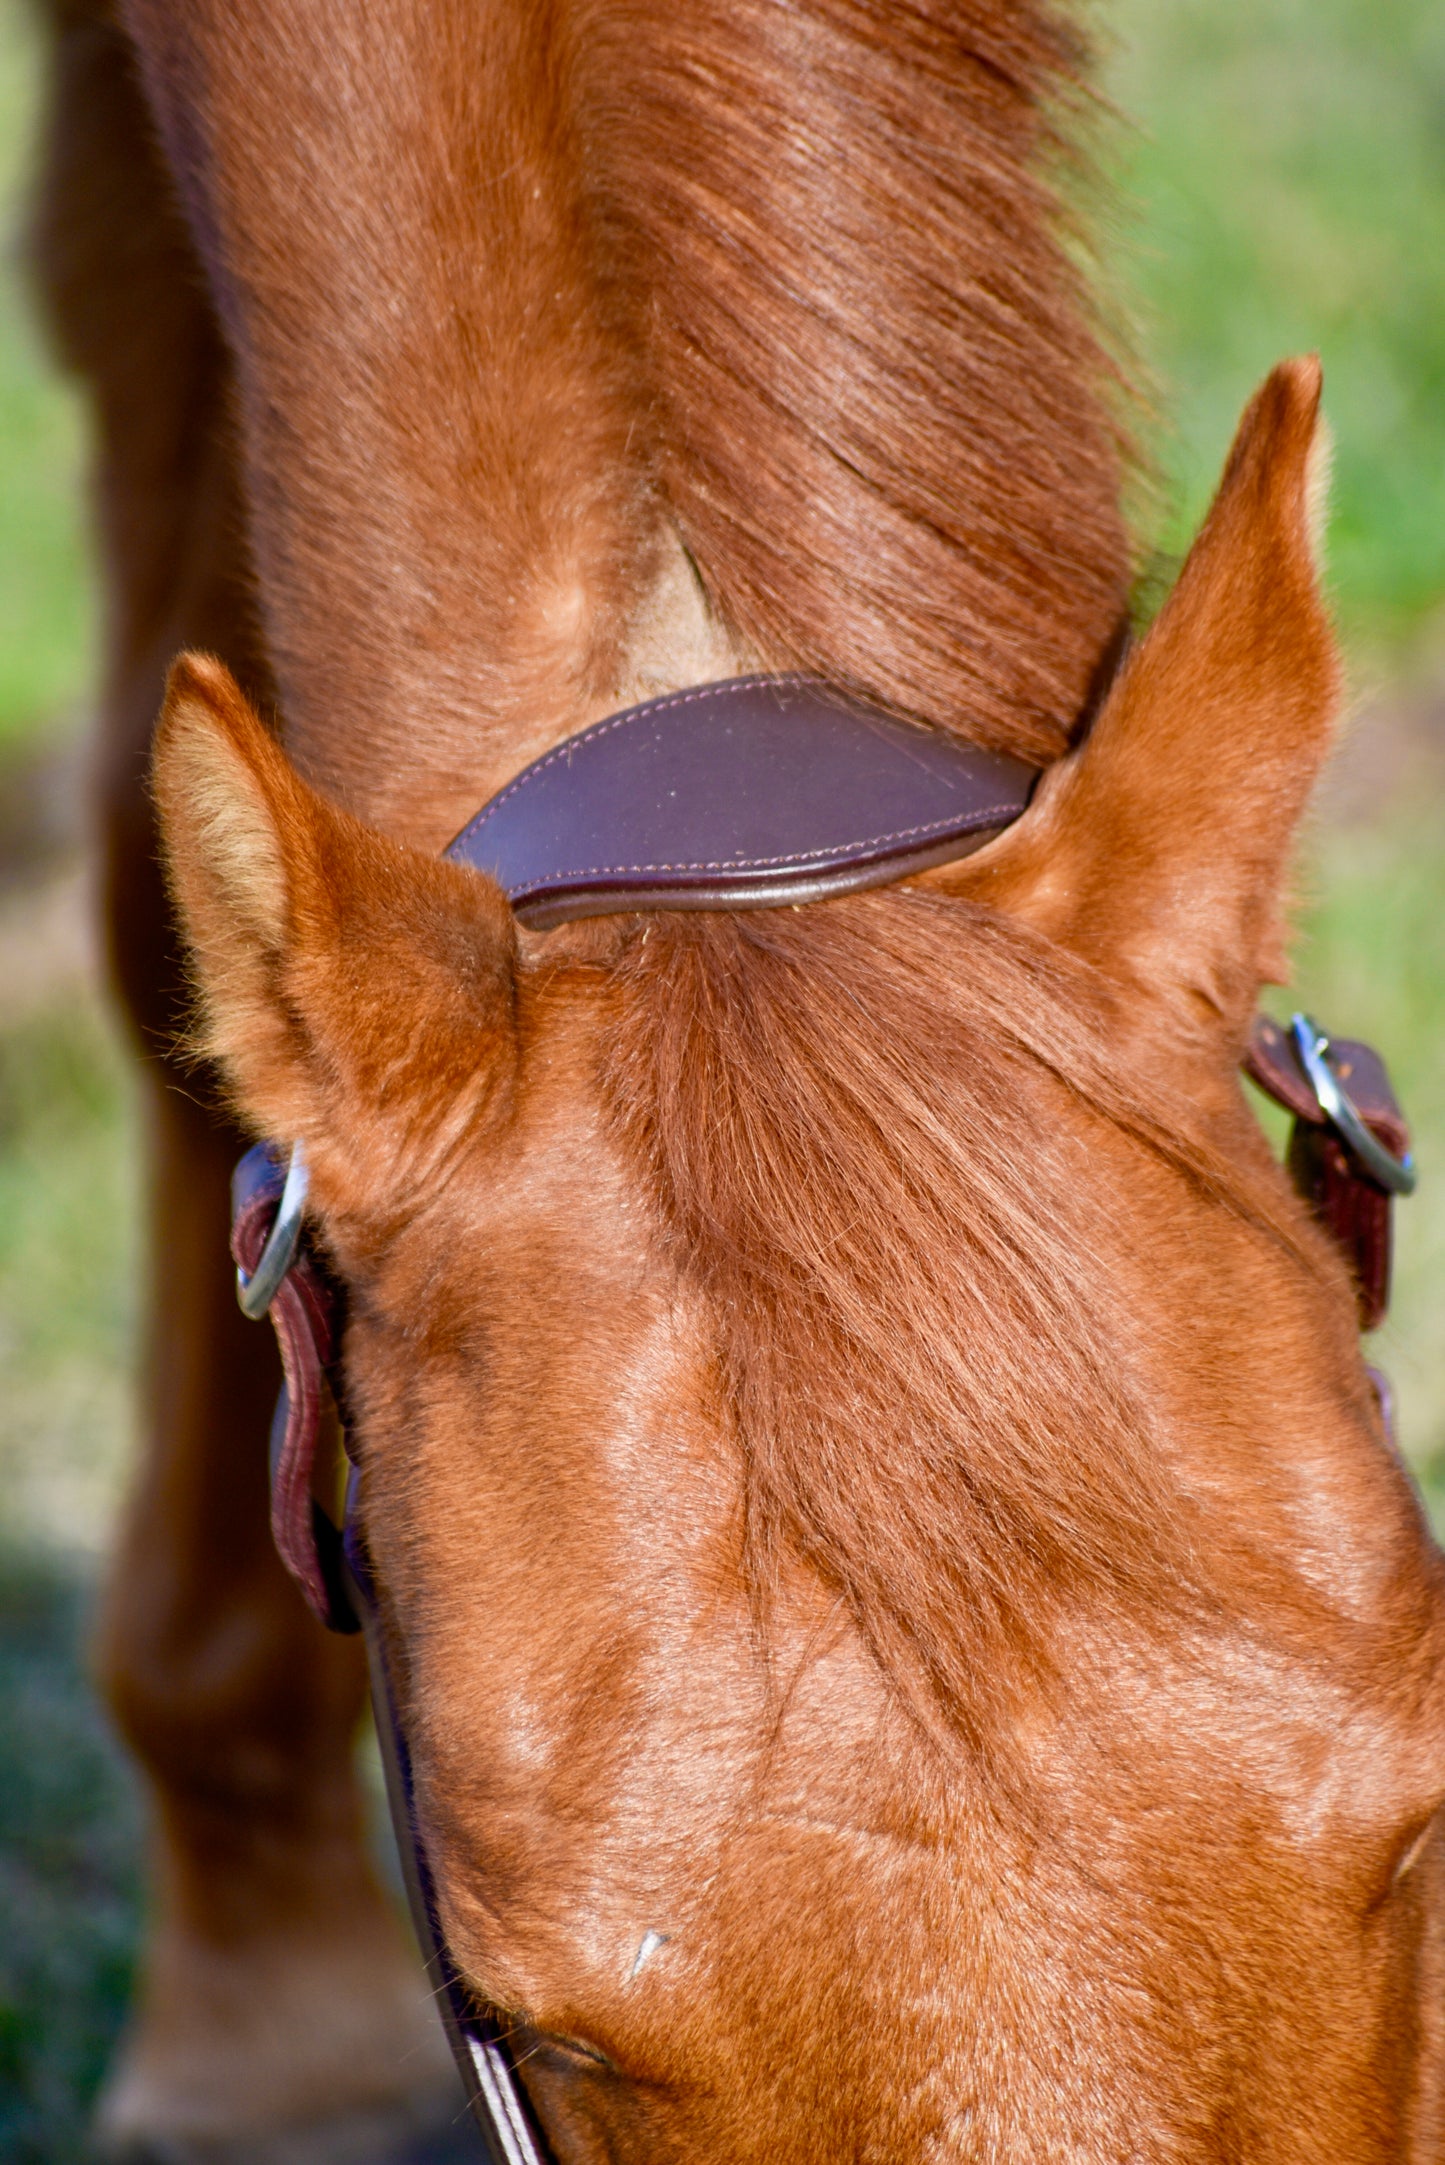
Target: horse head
{"x": 912, "y": 1638}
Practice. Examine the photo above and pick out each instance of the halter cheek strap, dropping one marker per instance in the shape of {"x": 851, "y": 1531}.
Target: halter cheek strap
{"x": 278, "y": 1273}
{"x": 1348, "y": 1152}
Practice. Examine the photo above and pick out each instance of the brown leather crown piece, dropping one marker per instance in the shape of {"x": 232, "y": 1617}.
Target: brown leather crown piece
{"x": 744, "y": 795}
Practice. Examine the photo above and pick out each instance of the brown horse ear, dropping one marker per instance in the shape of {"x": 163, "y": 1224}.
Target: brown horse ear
{"x": 355, "y": 993}
{"x": 1159, "y": 848}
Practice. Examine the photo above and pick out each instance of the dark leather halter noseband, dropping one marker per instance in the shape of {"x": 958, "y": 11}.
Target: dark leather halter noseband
{"x": 752, "y": 794}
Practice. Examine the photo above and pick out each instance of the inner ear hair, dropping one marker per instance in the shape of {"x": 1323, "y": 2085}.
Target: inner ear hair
{"x": 224, "y": 788}
{"x": 1319, "y": 474}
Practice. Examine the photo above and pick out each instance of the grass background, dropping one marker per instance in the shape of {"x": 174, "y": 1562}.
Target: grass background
{"x": 1284, "y": 188}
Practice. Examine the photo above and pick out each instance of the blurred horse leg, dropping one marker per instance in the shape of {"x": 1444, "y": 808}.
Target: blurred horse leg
{"x": 278, "y": 1989}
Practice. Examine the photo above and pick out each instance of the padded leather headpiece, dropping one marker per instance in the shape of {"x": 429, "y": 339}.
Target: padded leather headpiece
{"x": 761, "y": 791}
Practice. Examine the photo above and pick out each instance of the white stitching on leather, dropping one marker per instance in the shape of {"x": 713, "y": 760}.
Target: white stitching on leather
{"x": 978, "y": 817}
{"x": 793, "y": 857}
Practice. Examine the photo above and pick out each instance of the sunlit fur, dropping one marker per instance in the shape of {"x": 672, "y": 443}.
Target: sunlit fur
{"x": 875, "y": 1491}
{"x": 869, "y": 1464}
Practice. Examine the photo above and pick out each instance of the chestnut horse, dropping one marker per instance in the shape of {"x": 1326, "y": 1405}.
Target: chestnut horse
{"x": 913, "y": 1640}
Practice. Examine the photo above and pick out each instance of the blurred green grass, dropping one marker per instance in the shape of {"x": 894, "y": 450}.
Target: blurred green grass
{"x": 67, "y": 1271}
{"x": 47, "y": 614}
{"x": 69, "y": 1867}
{"x": 1289, "y": 178}
{"x": 1371, "y": 964}
{"x": 1287, "y": 173}
{"x": 70, "y": 1835}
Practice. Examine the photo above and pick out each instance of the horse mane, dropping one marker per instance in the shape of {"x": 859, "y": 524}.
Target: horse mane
{"x": 832, "y": 238}
{"x": 799, "y": 282}
{"x": 863, "y": 1125}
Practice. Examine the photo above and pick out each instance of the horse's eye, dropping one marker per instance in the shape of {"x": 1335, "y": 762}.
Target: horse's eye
{"x": 553, "y": 2048}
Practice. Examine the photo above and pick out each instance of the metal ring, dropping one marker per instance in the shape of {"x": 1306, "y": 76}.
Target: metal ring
{"x": 1395, "y": 1175}
{"x": 256, "y": 1291}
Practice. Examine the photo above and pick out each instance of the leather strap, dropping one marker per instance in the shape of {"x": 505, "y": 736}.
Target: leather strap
{"x": 306, "y": 1315}
{"x": 334, "y": 1573}
{"x": 750, "y": 794}
{"x": 480, "y": 2040}
{"x": 1348, "y": 1203}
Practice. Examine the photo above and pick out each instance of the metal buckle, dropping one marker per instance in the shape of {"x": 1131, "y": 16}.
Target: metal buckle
{"x": 256, "y": 1291}
{"x": 1395, "y": 1175}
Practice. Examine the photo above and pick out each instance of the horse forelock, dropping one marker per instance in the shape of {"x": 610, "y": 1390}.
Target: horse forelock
{"x": 873, "y": 1133}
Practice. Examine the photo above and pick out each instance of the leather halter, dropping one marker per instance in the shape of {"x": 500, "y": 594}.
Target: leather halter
{"x": 756, "y": 793}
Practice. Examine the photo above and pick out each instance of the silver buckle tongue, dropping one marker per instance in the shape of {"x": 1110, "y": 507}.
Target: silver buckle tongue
{"x": 1395, "y": 1175}
{"x": 256, "y": 1291}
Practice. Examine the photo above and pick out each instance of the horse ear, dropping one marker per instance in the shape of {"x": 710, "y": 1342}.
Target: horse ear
{"x": 1159, "y": 848}
{"x": 355, "y": 993}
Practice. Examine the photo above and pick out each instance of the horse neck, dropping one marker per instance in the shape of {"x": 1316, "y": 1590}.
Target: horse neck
{"x": 525, "y": 300}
